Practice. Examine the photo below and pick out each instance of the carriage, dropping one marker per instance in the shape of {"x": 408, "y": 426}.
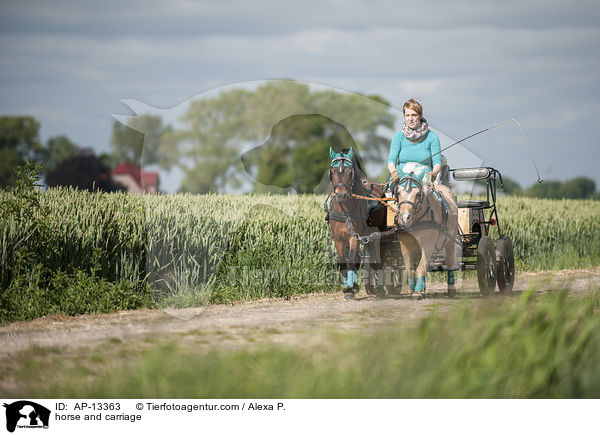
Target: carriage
{"x": 475, "y": 249}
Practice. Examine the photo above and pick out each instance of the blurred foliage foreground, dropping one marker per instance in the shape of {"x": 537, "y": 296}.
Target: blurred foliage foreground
{"x": 72, "y": 252}
{"x": 524, "y": 347}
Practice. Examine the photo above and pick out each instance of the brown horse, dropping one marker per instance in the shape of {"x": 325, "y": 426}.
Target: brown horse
{"x": 427, "y": 225}
{"x": 349, "y": 220}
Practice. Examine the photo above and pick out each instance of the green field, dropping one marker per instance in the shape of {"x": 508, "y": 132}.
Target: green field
{"x": 76, "y": 252}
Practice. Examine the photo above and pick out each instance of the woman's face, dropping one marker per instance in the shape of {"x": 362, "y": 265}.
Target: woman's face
{"x": 411, "y": 118}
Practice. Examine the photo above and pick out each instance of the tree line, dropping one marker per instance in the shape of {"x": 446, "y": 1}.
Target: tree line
{"x": 236, "y": 141}
{"x": 575, "y": 188}
{"x": 274, "y": 138}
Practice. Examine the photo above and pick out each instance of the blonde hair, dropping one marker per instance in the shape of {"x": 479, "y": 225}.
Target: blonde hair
{"x": 413, "y": 105}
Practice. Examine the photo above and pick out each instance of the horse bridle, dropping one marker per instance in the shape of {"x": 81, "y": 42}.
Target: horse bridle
{"x": 341, "y": 160}
{"x": 409, "y": 180}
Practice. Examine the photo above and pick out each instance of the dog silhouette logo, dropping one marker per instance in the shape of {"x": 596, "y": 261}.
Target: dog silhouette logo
{"x": 26, "y": 414}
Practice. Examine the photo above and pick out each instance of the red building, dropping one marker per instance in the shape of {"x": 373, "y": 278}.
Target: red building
{"x": 135, "y": 179}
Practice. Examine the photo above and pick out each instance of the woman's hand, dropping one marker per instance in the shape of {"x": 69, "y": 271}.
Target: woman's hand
{"x": 392, "y": 169}
{"x": 434, "y": 174}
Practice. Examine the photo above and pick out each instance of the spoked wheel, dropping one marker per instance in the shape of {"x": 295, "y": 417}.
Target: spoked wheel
{"x": 505, "y": 270}
{"x": 486, "y": 266}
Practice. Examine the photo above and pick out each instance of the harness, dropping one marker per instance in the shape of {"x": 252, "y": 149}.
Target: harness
{"x": 444, "y": 205}
{"x": 340, "y": 163}
{"x": 425, "y": 224}
{"x": 409, "y": 180}
{"x": 348, "y": 218}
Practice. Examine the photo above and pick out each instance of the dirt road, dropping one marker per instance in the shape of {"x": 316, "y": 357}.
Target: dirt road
{"x": 276, "y": 320}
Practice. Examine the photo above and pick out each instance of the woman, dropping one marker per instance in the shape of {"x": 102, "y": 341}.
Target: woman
{"x": 415, "y": 148}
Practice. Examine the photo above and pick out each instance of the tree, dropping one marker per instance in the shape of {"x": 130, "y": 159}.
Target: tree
{"x": 578, "y": 188}
{"x": 548, "y": 189}
{"x": 511, "y": 187}
{"x": 217, "y": 129}
{"x": 296, "y": 153}
{"x": 19, "y": 141}
{"x": 58, "y": 148}
{"x": 130, "y": 145}
{"x": 83, "y": 170}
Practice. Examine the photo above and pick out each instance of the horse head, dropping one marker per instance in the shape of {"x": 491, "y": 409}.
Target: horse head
{"x": 410, "y": 194}
{"x": 341, "y": 174}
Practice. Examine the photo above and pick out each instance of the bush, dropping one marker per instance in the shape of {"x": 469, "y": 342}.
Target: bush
{"x": 37, "y": 275}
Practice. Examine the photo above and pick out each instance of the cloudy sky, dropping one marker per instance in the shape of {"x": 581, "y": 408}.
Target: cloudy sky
{"x": 471, "y": 63}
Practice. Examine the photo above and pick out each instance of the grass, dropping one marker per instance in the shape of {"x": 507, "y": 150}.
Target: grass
{"x": 529, "y": 346}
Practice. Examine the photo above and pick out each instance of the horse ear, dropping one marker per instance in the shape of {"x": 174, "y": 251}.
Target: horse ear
{"x": 425, "y": 188}
{"x": 351, "y": 153}
{"x": 331, "y": 153}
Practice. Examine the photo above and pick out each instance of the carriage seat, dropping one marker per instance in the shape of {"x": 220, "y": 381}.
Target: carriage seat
{"x": 473, "y": 204}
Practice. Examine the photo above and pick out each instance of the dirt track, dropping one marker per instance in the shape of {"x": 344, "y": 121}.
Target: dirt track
{"x": 287, "y": 321}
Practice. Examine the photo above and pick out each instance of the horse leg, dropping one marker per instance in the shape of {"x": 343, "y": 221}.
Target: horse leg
{"x": 451, "y": 237}
{"x": 343, "y": 269}
{"x": 408, "y": 248}
{"x": 353, "y": 261}
{"x": 370, "y": 267}
{"x": 378, "y": 268}
{"x": 427, "y": 243}
{"x": 341, "y": 247}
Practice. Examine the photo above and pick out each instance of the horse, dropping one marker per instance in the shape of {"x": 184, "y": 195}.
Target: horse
{"x": 426, "y": 224}
{"x": 349, "y": 220}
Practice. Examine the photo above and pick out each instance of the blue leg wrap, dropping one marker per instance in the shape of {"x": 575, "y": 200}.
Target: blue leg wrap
{"x": 450, "y": 277}
{"x": 420, "y": 287}
{"x": 355, "y": 279}
{"x": 411, "y": 284}
{"x": 351, "y": 279}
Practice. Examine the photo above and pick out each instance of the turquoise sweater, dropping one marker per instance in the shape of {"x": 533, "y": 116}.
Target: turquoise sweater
{"x": 402, "y": 151}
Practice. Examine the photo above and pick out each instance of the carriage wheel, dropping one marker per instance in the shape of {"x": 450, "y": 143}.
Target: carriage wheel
{"x": 486, "y": 265}
{"x": 505, "y": 271}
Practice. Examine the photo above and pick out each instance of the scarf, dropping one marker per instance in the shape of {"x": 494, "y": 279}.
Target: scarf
{"x": 418, "y": 134}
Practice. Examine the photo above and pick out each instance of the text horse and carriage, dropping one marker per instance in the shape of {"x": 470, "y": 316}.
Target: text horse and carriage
{"x": 416, "y": 226}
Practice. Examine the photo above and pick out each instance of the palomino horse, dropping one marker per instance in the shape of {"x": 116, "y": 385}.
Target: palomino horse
{"x": 348, "y": 216}
{"x": 427, "y": 225}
